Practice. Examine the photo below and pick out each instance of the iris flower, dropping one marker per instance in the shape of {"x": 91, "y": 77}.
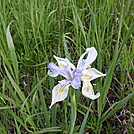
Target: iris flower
{"x": 74, "y": 75}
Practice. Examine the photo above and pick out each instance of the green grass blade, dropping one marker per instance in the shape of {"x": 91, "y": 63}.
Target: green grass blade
{"x": 110, "y": 72}
{"x": 44, "y": 107}
{"x": 13, "y": 54}
{"x": 9, "y": 99}
{"x": 116, "y": 108}
{"x": 67, "y": 54}
{"x": 46, "y": 130}
{"x": 3, "y": 108}
{"x": 34, "y": 89}
{"x": 17, "y": 127}
{"x": 85, "y": 120}
{"x": 18, "y": 119}
{"x": 79, "y": 22}
{"x": 16, "y": 87}
{"x": 2, "y": 129}
{"x": 54, "y": 110}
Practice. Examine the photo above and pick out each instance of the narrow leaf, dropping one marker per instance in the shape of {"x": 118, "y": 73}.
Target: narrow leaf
{"x": 85, "y": 120}
{"x": 116, "y": 108}
{"x": 51, "y": 129}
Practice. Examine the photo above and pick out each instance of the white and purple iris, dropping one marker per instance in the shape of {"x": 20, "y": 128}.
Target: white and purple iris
{"x": 74, "y": 76}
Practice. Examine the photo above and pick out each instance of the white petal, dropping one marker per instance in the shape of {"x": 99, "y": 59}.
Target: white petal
{"x": 85, "y": 63}
{"x": 92, "y": 54}
{"x": 87, "y": 90}
{"x": 91, "y": 74}
{"x": 52, "y": 74}
{"x": 63, "y": 62}
{"x": 59, "y": 93}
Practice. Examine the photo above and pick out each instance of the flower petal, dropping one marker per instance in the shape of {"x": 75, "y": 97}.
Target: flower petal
{"x": 64, "y": 62}
{"x": 56, "y": 70}
{"x": 64, "y": 82}
{"x": 76, "y": 71}
{"x": 87, "y": 90}
{"x": 67, "y": 71}
{"x": 76, "y": 83}
{"x": 52, "y": 74}
{"x": 59, "y": 93}
{"x": 91, "y": 74}
{"x": 85, "y": 63}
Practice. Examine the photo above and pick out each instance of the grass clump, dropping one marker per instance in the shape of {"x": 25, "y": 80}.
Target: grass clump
{"x": 41, "y": 29}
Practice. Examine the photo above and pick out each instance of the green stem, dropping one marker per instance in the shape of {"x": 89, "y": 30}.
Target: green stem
{"x": 73, "y": 111}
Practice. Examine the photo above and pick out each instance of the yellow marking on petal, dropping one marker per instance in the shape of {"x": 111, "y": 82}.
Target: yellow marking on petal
{"x": 63, "y": 64}
{"x": 87, "y": 86}
{"x": 61, "y": 89}
{"x": 86, "y": 75}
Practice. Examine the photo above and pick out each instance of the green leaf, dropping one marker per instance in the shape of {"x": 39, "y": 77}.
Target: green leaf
{"x": 85, "y": 120}
{"x": 43, "y": 105}
{"x": 16, "y": 87}
{"x": 66, "y": 48}
{"x": 51, "y": 129}
{"x": 34, "y": 89}
{"x": 116, "y": 108}
{"x": 9, "y": 39}
{"x": 3, "y": 108}
{"x": 12, "y": 52}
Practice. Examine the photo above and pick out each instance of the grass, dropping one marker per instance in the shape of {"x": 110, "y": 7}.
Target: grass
{"x": 41, "y": 29}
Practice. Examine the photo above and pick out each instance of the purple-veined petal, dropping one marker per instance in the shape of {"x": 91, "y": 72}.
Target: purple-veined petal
{"x": 59, "y": 93}
{"x": 55, "y": 69}
{"x": 67, "y": 72}
{"x": 87, "y": 90}
{"x": 91, "y": 74}
{"x": 85, "y": 63}
{"x": 76, "y": 71}
{"x": 76, "y": 83}
{"x": 64, "y": 82}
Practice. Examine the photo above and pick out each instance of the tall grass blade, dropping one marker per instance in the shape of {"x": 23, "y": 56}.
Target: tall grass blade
{"x": 17, "y": 127}
{"x": 54, "y": 110}
{"x": 46, "y": 130}
{"x": 34, "y": 89}
{"x": 67, "y": 54}
{"x": 110, "y": 72}
{"x": 43, "y": 104}
{"x": 2, "y": 108}
{"x": 16, "y": 87}
{"x": 13, "y": 54}
{"x": 85, "y": 120}
{"x": 116, "y": 108}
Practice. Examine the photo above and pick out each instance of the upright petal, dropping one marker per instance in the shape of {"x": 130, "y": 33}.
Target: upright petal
{"x": 91, "y": 74}
{"x": 85, "y": 63}
{"x": 87, "y": 90}
{"x": 59, "y": 93}
{"x": 92, "y": 54}
{"x": 64, "y": 62}
{"x": 76, "y": 71}
{"x": 67, "y": 71}
{"x": 76, "y": 83}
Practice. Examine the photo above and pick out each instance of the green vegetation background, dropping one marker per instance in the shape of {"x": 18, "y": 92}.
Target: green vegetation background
{"x": 43, "y": 28}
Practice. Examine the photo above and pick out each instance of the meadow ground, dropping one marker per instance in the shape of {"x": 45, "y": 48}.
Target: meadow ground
{"x": 65, "y": 28}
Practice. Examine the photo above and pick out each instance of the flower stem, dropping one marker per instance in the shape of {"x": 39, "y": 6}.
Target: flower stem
{"x": 73, "y": 111}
